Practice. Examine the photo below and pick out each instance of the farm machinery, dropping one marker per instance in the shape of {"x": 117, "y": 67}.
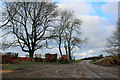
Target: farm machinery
{"x": 10, "y": 57}
{"x": 51, "y": 57}
{"x": 38, "y": 58}
{"x": 13, "y": 58}
{"x": 63, "y": 59}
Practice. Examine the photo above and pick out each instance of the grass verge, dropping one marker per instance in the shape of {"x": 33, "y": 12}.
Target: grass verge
{"x": 12, "y": 67}
{"x": 22, "y": 64}
{"x": 79, "y": 60}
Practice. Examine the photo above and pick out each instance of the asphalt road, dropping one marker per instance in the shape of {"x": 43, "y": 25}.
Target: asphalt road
{"x": 82, "y": 69}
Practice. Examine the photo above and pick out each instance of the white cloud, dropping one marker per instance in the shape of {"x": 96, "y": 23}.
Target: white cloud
{"x": 76, "y": 49}
{"x": 86, "y": 0}
{"x": 111, "y": 0}
{"x": 111, "y": 9}
{"x": 90, "y": 51}
{"x": 79, "y": 7}
{"x": 95, "y": 27}
{"x": 81, "y": 55}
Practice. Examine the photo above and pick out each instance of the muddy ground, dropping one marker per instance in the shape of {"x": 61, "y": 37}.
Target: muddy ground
{"x": 82, "y": 69}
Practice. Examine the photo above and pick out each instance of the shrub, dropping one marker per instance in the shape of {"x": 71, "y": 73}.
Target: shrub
{"x": 108, "y": 61}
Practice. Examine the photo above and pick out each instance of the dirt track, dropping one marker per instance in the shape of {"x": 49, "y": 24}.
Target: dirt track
{"x": 75, "y": 70}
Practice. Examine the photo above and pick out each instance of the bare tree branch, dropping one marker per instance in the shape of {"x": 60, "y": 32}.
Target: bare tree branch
{"x": 28, "y": 21}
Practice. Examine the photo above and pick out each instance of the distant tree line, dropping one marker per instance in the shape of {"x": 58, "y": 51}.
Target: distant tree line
{"x": 33, "y": 25}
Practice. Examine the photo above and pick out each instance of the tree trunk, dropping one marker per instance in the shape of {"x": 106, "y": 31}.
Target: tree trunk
{"x": 66, "y": 49}
{"x": 31, "y": 54}
{"x": 66, "y": 52}
{"x": 60, "y": 46}
{"x": 60, "y": 49}
{"x": 69, "y": 51}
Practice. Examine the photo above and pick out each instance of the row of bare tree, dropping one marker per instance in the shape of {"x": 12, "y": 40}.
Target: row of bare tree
{"x": 33, "y": 25}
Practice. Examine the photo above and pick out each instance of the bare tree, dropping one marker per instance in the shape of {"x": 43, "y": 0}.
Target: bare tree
{"x": 29, "y": 23}
{"x": 69, "y": 32}
{"x": 59, "y": 30}
{"x": 113, "y": 42}
{"x": 72, "y": 34}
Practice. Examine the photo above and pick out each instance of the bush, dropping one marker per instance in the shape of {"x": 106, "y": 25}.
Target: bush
{"x": 108, "y": 61}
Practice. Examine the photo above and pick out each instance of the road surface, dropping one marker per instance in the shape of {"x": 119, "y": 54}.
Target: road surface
{"x": 82, "y": 69}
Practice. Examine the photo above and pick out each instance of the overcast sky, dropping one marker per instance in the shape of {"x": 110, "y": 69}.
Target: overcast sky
{"x": 98, "y": 22}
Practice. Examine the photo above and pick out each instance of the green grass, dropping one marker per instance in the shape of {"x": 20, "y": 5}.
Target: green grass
{"x": 12, "y": 67}
{"x": 38, "y": 62}
{"x": 78, "y": 60}
{"x": 23, "y": 64}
